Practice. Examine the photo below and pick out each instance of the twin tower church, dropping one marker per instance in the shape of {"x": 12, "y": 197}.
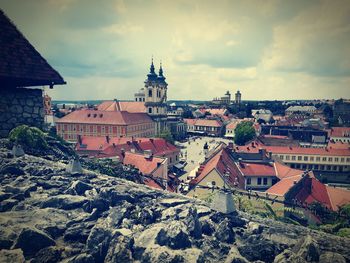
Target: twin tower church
{"x": 154, "y": 96}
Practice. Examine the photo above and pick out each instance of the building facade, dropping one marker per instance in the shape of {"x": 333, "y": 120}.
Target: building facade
{"x": 205, "y": 127}
{"x": 89, "y": 122}
{"x": 154, "y": 96}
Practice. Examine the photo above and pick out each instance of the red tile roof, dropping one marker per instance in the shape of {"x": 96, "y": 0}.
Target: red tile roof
{"x": 190, "y": 121}
{"x": 21, "y": 65}
{"x": 232, "y": 124}
{"x": 311, "y": 191}
{"x": 340, "y": 132}
{"x": 129, "y": 106}
{"x": 105, "y": 117}
{"x": 145, "y": 165}
{"x": 294, "y": 150}
{"x": 158, "y": 146}
{"x": 204, "y": 122}
{"x": 256, "y": 169}
{"x": 283, "y": 186}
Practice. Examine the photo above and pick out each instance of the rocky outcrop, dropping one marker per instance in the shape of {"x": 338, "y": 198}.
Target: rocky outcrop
{"x": 48, "y": 215}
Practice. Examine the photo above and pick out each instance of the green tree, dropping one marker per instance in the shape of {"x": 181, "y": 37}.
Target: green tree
{"x": 166, "y": 134}
{"x": 244, "y": 132}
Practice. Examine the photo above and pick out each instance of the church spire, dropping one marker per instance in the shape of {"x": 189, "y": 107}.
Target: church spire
{"x": 161, "y": 69}
{"x": 151, "y": 76}
{"x": 152, "y": 67}
{"x": 161, "y": 78}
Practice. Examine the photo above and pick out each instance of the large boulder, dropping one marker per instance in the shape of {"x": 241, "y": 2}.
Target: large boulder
{"x": 48, "y": 255}
{"x": 257, "y": 248}
{"x": 78, "y": 188}
{"x": 308, "y": 249}
{"x": 14, "y": 255}
{"x": 174, "y": 235}
{"x": 66, "y": 202}
{"x": 120, "y": 248}
{"x": 331, "y": 257}
{"x": 31, "y": 240}
{"x": 224, "y": 232}
{"x": 192, "y": 222}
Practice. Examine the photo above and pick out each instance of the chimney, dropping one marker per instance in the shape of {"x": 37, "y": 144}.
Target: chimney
{"x": 262, "y": 153}
{"x": 151, "y": 140}
{"x": 107, "y": 139}
{"x": 148, "y": 154}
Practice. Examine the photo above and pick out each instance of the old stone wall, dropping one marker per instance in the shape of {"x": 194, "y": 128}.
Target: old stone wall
{"x": 20, "y": 106}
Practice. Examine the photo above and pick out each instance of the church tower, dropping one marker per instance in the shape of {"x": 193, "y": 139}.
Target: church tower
{"x": 238, "y": 97}
{"x": 156, "y": 97}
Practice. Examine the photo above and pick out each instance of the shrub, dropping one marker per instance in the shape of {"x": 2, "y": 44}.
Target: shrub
{"x": 28, "y": 137}
{"x": 344, "y": 232}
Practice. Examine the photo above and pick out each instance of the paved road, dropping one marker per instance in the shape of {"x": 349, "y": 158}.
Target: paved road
{"x": 195, "y": 153}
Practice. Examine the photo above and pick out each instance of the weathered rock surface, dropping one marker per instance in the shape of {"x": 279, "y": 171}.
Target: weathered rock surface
{"x": 48, "y": 215}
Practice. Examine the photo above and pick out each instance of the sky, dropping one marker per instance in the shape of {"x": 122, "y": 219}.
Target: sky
{"x": 267, "y": 49}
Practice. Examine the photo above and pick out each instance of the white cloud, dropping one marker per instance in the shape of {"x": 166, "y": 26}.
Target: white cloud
{"x": 316, "y": 41}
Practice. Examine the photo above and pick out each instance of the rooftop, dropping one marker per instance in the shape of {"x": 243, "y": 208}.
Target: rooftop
{"x": 129, "y": 106}
{"x": 89, "y": 116}
{"x": 21, "y": 65}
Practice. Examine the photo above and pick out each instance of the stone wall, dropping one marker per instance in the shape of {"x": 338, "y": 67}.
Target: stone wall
{"x": 20, "y": 106}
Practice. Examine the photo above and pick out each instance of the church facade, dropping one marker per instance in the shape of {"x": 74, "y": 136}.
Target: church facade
{"x": 154, "y": 95}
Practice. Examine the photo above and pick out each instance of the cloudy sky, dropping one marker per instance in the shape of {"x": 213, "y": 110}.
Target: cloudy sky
{"x": 271, "y": 49}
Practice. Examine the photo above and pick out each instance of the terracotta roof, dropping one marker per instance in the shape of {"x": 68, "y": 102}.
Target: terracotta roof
{"x": 283, "y": 186}
{"x": 216, "y": 111}
{"x": 311, "y": 191}
{"x": 145, "y": 165}
{"x": 97, "y": 143}
{"x": 158, "y": 146}
{"x": 105, "y": 117}
{"x": 129, "y": 106}
{"x": 20, "y": 64}
{"x": 284, "y": 171}
{"x": 190, "y": 121}
{"x": 338, "y": 145}
{"x": 294, "y": 150}
{"x": 203, "y": 122}
{"x": 257, "y": 169}
{"x": 340, "y": 132}
{"x": 232, "y": 124}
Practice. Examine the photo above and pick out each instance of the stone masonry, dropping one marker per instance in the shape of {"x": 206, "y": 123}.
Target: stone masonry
{"x": 20, "y": 106}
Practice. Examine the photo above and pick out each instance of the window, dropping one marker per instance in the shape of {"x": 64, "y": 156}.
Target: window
{"x": 281, "y": 157}
{"x": 299, "y": 158}
{"x": 287, "y": 157}
{"x": 293, "y": 157}
{"x": 259, "y": 181}
{"x": 149, "y": 110}
{"x": 265, "y": 181}
{"x": 324, "y": 159}
{"x": 341, "y": 160}
{"x": 306, "y": 158}
{"x": 311, "y": 158}
{"x": 336, "y": 159}
{"x": 318, "y": 159}
{"x": 249, "y": 181}
{"x": 171, "y": 160}
{"x": 150, "y": 93}
{"x": 330, "y": 159}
